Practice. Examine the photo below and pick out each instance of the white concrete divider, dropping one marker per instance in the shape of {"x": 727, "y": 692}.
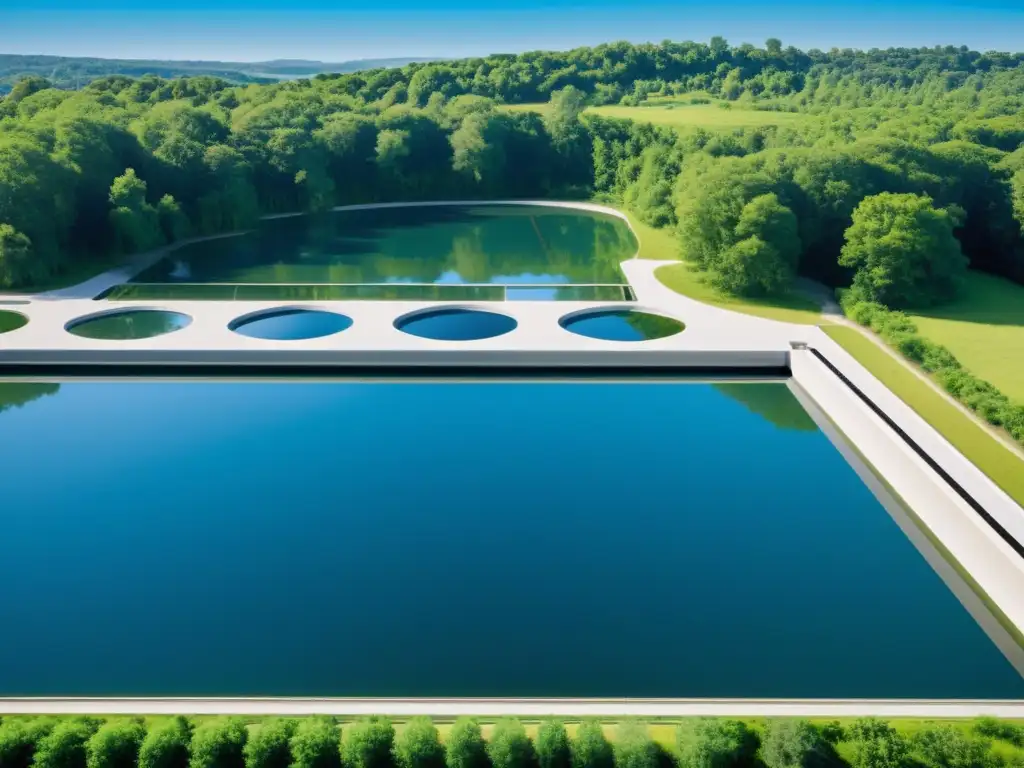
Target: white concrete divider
{"x": 534, "y": 707}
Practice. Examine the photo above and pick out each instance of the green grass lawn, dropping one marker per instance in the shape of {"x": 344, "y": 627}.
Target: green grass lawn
{"x": 984, "y": 328}
{"x": 680, "y": 113}
{"x": 1003, "y": 466}
{"x": 793, "y": 308}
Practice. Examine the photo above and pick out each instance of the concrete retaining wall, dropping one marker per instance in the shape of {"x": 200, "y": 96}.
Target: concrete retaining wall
{"x": 992, "y": 563}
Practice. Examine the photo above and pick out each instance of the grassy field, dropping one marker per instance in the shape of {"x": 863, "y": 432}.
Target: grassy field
{"x": 681, "y": 113}
{"x": 1004, "y": 467}
{"x": 984, "y": 328}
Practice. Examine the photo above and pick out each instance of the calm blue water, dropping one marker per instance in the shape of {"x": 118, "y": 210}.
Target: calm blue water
{"x": 585, "y": 539}
{"x": 457, "y": 325}
{"x": 293, "y": 324}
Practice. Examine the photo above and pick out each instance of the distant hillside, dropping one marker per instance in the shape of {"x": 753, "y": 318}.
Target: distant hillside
{"x": 75, "y": 72}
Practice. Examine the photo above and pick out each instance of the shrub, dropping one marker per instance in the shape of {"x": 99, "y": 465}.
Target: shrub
{"x": 937, "y": 358}
{"x": 553, "y": 750}
{"x": 707, "y": 743}
{"x": 947, "y": 747}
{"x": 464, "y": 747}
{"x": 368, "y": 743}
{"x": 418, "y": 745}
{"x": 863, "y": 312}
{"x": 166, "y": 745}
{"x": 892, "y": 324}
{"x": 218, "y": 743}
{"x": 791, "y": 744}
{"x": 876, "y": 744}
{"x": 590, "y": 749}
{"x": 116, "y": 744}
{"x": 833, "y": 732}
{"x": 1000, "y": 729}
{"x": 64, "y": 746}
{"x": 954, "y": 380}
{"x": 910, "y": 346}
{"x": 899, "y": 331}
{"x": 269, "y": 744}
{"x": 316, "y": 744}
{"x": 1013, "y": 422}
{"x": 509, "y": 746}
{"x": 634, "y": 747}
{"x": 18, "y": 740}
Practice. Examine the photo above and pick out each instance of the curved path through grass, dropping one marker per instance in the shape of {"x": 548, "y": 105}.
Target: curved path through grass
{"x": 660, "y": 245}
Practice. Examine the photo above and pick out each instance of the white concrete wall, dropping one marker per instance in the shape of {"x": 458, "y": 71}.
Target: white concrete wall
{"x": 994, "y": 500}
{"x": 550, "y": 707}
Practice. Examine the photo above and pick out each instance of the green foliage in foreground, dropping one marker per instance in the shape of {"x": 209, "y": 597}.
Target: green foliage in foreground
{"x": 269, "y": 746}
{"x": 553, "y": 747}
{"x": 590, "y": 748}
{"x": 213, "y": 742}
{"x": 419, "y": 745}
{"x": 166, "y": 745}
{"x": 509, "y": 746}
{"x": 116, "y": 744}
{"x": 65, "y": 745}
{"x": 219, "y": 743}
{"x": 711, "y": 743}
{"x": 368, "y": 744}
{"x": 465, "y": 747}
{"x": 315, "y": 744}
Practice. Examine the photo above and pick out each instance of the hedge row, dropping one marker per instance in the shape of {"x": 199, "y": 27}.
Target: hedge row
{"x": 318, "y": 742}
{"x": 899, "y": 332}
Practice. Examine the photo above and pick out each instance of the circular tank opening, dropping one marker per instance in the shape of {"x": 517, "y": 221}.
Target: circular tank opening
{"x": 621, "y": 325}
{"x": 11, "y": 321}
{"x": 290, "y": 324}
{"x": 130, "y": 324}
{"x": 456, "y": 324}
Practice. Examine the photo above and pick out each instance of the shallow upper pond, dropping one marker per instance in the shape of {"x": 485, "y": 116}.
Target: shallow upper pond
{"x": 497, "y": 539}
{"x": 339, "y": 254}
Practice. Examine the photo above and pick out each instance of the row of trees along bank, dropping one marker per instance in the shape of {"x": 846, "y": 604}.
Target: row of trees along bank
{"x": 318, "y": 742}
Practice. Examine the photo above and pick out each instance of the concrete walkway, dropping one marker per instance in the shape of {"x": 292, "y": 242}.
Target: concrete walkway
{"x": 454, "y": 707}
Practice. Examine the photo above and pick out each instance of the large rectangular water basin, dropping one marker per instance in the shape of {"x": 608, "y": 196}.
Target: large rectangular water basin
{"x": 663, "y": 538}
{"x": 432, "y": 252}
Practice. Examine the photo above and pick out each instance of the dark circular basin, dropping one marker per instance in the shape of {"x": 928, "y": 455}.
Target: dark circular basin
{"x": 621, "y": 325}
{"x": 456, "y": 324}
{"x": 291, "y": 324}
{"x": 11, "y": 321}
{"x": 129, "y": 324}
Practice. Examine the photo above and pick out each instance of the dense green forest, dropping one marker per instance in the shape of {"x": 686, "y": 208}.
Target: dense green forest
{"x": 73, "y": 72}
{"x": 905, "y": 168}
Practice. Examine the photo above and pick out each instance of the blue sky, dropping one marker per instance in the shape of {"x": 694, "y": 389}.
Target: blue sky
{"x": 252, "y": 30}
